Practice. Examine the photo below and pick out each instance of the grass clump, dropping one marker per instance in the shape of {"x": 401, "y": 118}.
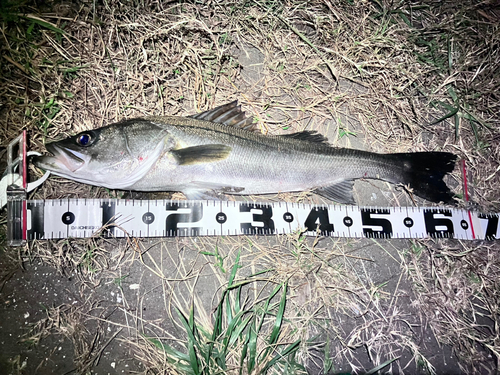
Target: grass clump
{"x": 442, "y": 39}
{"x": 36, "y": 68}
{"x": 245, "y": 337}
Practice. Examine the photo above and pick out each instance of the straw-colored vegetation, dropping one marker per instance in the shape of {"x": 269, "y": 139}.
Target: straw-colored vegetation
{"x": 386, "y": 76}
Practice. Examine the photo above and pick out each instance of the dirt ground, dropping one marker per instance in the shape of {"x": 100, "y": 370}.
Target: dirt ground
{"x": 106, "y": 314}
{"x": 367, "y": 75}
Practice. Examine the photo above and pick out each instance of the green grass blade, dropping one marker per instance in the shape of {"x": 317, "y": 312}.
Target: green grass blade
{"x": 229, "y": 311}
{"x": 168, "y": 349}
{"x": 252, "y": 347}
{"x": 465, "y": 114}
{"x": 191, "y": 342}
{"x": 208, "y": 253}
{"x": 238, "y": 330}
{"x": 289, "y": 350}
{"x": 244, "y": 351}
{"x": 404, "y": 18}
{"x": 328, "y": 362}
{"x": 273, "y": 338}
{"x": 220, "y": 358}
{"x": 234, "y": 331}
{"x": 452, "y": 93}
{"x": 452, "y": 112}
{"x": 474, "y": 130}
{"x": 230, "y": 328}
{"x": 381, "y": 366}
{"x": 43, "y": 23}
{"x": 175, "y": 356}
{"x": 279, "y": 318}
{"x": 240, "y": 284}
{"x": 261, "y": 272}
{"x": 237, "y": 306}
{"x": 266, "y": 306}
{"x": 234, "y": 269}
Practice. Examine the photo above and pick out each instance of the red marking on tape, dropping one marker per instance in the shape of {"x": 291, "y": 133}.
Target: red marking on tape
{"x": 25, "y": 222}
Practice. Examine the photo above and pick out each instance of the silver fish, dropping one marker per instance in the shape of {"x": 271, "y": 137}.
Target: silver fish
{"x": 217, "y": 152}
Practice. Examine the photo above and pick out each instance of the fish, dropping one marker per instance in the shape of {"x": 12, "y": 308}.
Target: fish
{"x": 220, "y": 151}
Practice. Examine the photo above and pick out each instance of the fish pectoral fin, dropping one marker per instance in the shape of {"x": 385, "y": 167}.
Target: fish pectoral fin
{"x": 228, "y": 114}
{"x": 340, "y": 192}
{"x": 201, "y": 154}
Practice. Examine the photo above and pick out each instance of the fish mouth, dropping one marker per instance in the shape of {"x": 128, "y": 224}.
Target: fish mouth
{"x": 61, "y": 160}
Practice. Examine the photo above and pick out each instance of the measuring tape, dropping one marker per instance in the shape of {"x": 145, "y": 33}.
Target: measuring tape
{"x": 81, "y": 218}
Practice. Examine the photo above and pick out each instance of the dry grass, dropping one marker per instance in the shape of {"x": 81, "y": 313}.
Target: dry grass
{"x": 457, "y": 287}
{"x": 383, "y": 72}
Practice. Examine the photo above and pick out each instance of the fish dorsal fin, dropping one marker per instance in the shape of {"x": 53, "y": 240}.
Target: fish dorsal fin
{"x": 228, "y": 114}
{"x": 340, "y": 192}
{"x": 307, "y": 135}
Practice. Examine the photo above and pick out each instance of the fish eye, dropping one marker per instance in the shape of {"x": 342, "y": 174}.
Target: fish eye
{"x": 84, "y": 139}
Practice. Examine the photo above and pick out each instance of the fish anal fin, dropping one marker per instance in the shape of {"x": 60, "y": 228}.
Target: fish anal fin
{"x": 201, "y": 154}
{"x": 228, "y": 114}
{"x": 340, "y": 192}
{"x": 201, "y": 195}
{"x": 307, "y": 135}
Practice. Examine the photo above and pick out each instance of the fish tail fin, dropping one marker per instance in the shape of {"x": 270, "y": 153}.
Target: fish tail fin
{"x": 424, "y": 172}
